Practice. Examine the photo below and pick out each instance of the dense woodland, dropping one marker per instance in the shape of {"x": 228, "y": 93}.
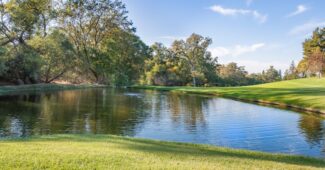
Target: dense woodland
{"x": 94, "y": 41}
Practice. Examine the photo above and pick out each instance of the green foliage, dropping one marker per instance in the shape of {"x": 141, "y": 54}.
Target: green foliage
{"x": 56, "y": 53}
{"x": 24, "y": 64}
{"x": 291, "y": 73}
{"x": 271, "y": 75}
{"x": 194, "y": 52}
{"x": 163, "y": 68}
{"x": 3, "y": 60}
{"x": 184, "y": 63}
{"x": 126, "y": 55}
{"x": 233, "y": 75}
{"x": 313, "y": 62}
{"x": 49, "y": 40}
{"x": 88, "y": 24}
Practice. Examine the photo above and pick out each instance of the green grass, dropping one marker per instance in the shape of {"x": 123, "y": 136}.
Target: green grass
{"x": 112, "y": 152}
{"x": 304, "y": 94}
{"x": 5, "y": 90}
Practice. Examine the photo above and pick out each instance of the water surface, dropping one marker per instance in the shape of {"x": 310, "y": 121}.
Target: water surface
{"x": 163, "y": 116}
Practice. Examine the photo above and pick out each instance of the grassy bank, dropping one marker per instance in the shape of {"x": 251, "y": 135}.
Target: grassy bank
{"x": 111, "y": 152}
{"x": 303, "y": 94}
{"x": 5, "y": 90}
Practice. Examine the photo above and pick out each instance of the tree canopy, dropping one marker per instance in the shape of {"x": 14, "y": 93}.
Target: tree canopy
{"x": 94, "y": 41}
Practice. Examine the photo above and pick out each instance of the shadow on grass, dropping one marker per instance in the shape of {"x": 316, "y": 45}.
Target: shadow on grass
{"x": 179, "y": 149}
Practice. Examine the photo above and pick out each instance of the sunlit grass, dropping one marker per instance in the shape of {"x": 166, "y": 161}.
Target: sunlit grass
{"x": 112, "y": 152}
{"x": 304, "y": 93}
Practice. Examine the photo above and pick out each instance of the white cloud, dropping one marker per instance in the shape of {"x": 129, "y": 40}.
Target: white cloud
{"x": 235, "y": 51}
{"x": 306, "y": 28}
{"x": 300, "y": 9}
{"x": 234, "y": 12}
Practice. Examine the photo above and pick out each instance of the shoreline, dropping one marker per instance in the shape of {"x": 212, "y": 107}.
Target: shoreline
{"x": 14, "y": 89}
{"x": 8, "y": 90}
{"x": 214, "y": 92}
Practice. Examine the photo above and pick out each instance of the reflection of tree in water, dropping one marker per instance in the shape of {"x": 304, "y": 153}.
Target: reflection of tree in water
{"x": 17, "y": 118}
{"x": 312, "y": 128}
{"x": 79, "y": 111}
{"x": 188, "y": 108}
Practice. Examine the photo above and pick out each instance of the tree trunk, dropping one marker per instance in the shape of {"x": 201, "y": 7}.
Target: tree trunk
{"x": 194, "y": 81}
{"x": 193, "y": 74}
{"x": 95, "y": 74}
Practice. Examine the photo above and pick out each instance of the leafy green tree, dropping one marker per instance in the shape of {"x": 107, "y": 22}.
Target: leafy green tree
{"x": 56, "y": 53}
{"x": 314, "y": 50}
{"x": 233, "y": 75}
{"x": 291, "y": 73}
{"x": 271, "y": 75}
{"x": 19, "y": 21}
{"x": 316, "y": 62}
{"x": 126, "y": 55}
{"x": 23, "y": 65}
{"x": 88, "y": 23}
{"x": 302, "y": 67}
{"x": 163, "y": 68}
{"x": 195, "y": 52}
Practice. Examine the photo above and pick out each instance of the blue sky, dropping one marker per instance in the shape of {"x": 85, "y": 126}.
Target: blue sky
{"x": 253, "y": 33}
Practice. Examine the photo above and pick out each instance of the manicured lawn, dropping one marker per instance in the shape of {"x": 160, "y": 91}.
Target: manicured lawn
{"x": 112, "y": 152}
{"x": 305, "y": 93}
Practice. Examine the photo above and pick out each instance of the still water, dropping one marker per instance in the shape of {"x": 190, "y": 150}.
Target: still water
{"x": 163, "y": 116}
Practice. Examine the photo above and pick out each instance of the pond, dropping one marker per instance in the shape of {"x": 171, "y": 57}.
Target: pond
{"x": 163, "y": 116}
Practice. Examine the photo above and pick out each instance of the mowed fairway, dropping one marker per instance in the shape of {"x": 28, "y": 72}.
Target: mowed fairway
{"x": 306, "y": 93}
{"x": 111, "y": 152}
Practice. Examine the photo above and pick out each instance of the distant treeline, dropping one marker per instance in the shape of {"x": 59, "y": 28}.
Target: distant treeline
{"x": 94, "y": 41}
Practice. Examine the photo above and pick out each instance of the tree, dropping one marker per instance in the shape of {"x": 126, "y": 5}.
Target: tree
{"x": 233, "y": 75}
{"x": 316, "y": 41}
{"x": 19, "y": 19}
{"x": 163, "y": 68}
{"x": 291, "y": 73}
{"x": 271, "y": 75}
{"x": 302, "y": 67}
{"x": 19, "y": 22}
{"x": 56, "y": 53}
{"x": 316, "y": 62}
{"x": 194, "y": 52}
{"x": 314, "y": 49}
{"x": 88, "y": 23}
{"x": 126, "y": 54}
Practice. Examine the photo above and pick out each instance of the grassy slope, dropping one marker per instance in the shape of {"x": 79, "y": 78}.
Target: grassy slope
{"x": 111, "y": 152}
{"x": 304, "y": 93}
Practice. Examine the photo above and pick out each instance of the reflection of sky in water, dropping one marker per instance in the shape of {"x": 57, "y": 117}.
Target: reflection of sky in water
{"x": 164, "y": 116}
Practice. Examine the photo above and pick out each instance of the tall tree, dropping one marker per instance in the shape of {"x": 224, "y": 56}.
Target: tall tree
{"x": 316, "y": 62}
{"x": 292, "y": 72}
{"x": 19, "y": 22}
{"x": 271, "y": 75}
{"x": 233, "y": 75}
{"x": 126, "y": 54}
{"x": 56, "y": 53}
{"x": 314, "y": 48}
{"x": 88, "y": 23}
{"x": 194, "y": 52}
